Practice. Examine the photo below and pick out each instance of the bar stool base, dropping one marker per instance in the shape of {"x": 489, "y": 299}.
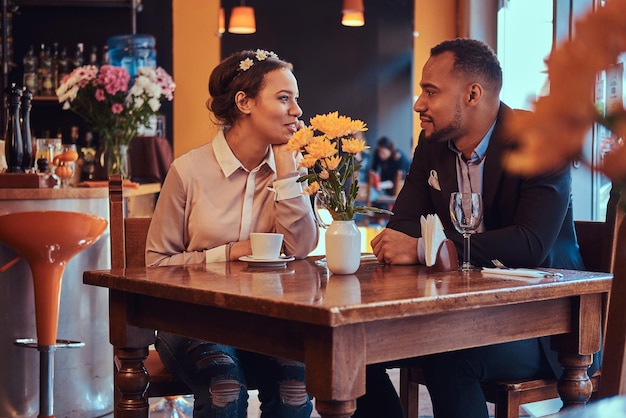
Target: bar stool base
{"x": 46, "y": 370}
{"x": 32, "y": 343}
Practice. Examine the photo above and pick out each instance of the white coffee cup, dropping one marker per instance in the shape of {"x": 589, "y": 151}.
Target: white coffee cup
{"x": 266, "y": 245}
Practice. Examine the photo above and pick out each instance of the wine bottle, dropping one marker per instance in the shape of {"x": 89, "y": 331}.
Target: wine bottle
{"x": 78, "y": 59}
{"x": 88, "y": 155}
{"x": 40, "y": 69}
{"x": 105, "y": 55}
{"x": 93, "y": 56}
{"x": 30, "y": 70}
{"x": 45, "y": 73}
{"x": 54, "y": 67}
{"x": 64, "y": 67}
{"x": 13, "y": 148}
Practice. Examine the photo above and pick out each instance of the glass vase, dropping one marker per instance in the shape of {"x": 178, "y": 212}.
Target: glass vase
{"x": 117, "y": 160}
{"x": 343, "y": 247}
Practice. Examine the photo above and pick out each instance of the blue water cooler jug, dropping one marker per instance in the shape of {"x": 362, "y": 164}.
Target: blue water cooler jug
{"x": 132, "y": 52}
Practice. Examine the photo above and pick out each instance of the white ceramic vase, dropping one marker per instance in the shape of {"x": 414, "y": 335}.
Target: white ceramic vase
{"x": 343, "y": 247}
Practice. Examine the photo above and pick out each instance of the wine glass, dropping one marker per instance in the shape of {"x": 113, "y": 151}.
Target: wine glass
{"x": 466, "y": 212}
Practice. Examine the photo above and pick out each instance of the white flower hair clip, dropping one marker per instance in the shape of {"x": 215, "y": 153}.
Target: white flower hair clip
{"x": 260, "y": 55}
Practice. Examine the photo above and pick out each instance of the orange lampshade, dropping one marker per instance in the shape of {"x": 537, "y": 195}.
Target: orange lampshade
{"x": 221, "y": 21}
{"x": 353, "y": 19}
{"x": 353, "y": 13}
{"x": 352, "y": 6}
{"x": 242, "y": 20}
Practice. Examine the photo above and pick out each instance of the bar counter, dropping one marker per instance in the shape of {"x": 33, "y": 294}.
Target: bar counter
{"x": 75, "y": 192}
{"x": 83, "y": 384}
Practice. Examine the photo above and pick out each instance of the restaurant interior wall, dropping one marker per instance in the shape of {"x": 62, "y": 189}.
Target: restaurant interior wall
{"x": 91, "y": 25}
{"x": 196, "y": 51}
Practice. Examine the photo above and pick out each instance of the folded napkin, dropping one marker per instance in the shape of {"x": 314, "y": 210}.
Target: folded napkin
{"x": 433, "y": 236}
{"x": 368, "y": 257}
{"x": 104, "y": 183}
{"x": 530, "y": 273}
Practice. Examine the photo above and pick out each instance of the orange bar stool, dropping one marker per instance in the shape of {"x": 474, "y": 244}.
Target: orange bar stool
{"x": 47, "y": 240}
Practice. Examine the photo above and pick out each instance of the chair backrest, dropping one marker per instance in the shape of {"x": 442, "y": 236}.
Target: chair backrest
{"x": 128, "y": 247}
{"x": 613, "y": 380}
{"x": 597, "y": 240}
{"x": 128, "y": 235}
{"x": 590, "y": 235}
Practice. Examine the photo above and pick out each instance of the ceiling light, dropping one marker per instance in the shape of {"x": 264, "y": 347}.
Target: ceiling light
{"x": 242, "y": 20}
{"x": 353, "y": 13}
{"x": 353, "y": 19}
{"x": 352, "y": 6}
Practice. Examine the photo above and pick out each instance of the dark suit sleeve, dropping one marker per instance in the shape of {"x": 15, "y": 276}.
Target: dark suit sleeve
{"x": 529, "y": 224}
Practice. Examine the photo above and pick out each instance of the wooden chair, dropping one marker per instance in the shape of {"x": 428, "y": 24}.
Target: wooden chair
{"x": 128, "y": 245}
{"x": 598, "y": 249}
{"x": 613, "y": 381}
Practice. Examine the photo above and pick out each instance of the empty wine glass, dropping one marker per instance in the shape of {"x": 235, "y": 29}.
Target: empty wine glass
{"x": 466, "y": 212}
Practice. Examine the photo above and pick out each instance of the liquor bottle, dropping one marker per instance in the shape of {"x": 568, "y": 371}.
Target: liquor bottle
{"x": 89, "y": 155}
{"x": 27, "y": 139}
{"x": 30, "y": 70}
{"x": 45, "y": 73}
{"x": 63, "y": 65}
{"x": 40, "y": 59}
{"x": 77, "y": 172}
{"x": 93, "y": 56}
{"x": 54, "y": 67}
{"x": 13, "y": 148}
{"x": 105, "y": 55}
{"x": 78, "y": 59}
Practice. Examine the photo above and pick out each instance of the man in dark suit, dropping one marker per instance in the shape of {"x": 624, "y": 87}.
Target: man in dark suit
{"x": 527, "y": 221}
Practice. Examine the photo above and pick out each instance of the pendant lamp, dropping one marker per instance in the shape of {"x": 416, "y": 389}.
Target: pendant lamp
{"x": 353, "y": 13}
{"x": 242, "y": 20}
{"x": 353, "y": 19}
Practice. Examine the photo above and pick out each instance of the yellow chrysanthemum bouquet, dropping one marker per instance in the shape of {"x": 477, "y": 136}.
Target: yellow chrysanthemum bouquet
{"x": 330, "y": 159}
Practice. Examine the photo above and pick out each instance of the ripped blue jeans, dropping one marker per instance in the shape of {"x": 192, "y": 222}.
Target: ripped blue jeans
{"x": 219, "y": 377}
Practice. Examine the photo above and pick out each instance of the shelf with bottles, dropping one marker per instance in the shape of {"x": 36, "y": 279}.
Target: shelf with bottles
{"x": 46, "y": 100}
{"x": 82, "y": 3}
{"x": 44, "y": 72}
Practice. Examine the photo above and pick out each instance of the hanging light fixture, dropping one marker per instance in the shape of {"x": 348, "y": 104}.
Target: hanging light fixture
{"x": 353, "y": 19}
{"x": 221, "y": 22}
{"x": 353, "y": 13}
{"x": 242, "y": 20}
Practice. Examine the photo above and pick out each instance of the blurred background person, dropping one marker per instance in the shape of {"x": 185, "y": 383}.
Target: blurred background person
{"x": 388, "y": 165}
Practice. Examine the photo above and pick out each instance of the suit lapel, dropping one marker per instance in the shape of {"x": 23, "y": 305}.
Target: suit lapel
{"x": 444, "y": 162}
{"x": 494, "y": 168}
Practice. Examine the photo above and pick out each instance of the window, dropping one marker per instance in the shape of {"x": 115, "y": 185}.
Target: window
{"x": 524, "y": 42}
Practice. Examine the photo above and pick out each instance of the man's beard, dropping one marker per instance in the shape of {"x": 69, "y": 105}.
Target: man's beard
{"x": 448, "y": 132}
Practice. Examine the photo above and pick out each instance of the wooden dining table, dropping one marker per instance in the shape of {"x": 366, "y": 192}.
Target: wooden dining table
{"x": 338, "y": 324}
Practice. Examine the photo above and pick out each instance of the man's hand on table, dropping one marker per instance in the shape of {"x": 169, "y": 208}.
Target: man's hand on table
{"x": 394, "y": 247}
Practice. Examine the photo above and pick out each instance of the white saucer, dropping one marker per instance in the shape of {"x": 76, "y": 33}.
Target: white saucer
{"x": 278, "y": 262}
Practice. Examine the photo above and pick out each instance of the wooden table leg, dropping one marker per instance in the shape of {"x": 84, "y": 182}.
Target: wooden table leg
{"x": 574, "y": 386}
{"x": 335, "y": 369}
{"x": 131, "y": 379}
{"x": 335, "y": 409}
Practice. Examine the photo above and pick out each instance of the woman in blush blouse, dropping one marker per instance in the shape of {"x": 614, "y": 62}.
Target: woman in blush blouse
{"x": 214, "y": 196}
